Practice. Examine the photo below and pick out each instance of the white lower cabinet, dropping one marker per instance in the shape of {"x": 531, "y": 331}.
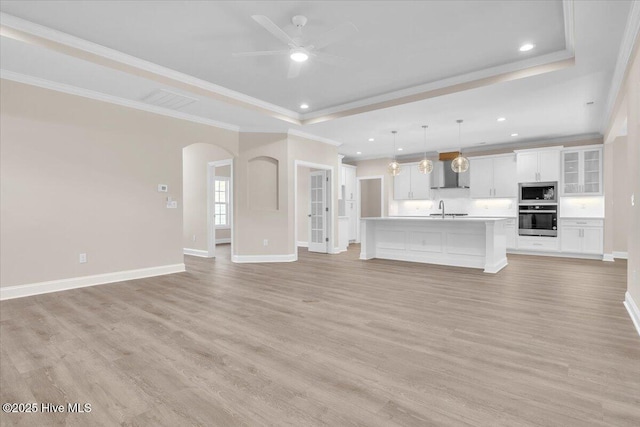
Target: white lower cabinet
{"x": 353, "y": 219}
{"x": 538, "y": 243}
{"x": 582, "y": 236}
{"x": 511, "y": 231}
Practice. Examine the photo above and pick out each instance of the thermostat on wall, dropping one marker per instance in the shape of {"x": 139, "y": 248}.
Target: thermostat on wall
{"x": 163, "y": 188}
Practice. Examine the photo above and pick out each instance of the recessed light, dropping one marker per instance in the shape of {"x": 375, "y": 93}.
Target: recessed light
{"x": 358, "y": 152}
{"x": 501, "y": 119}
{"x": 514, "y": 134}
{"x": 399, "y": 149}
{"x": 371, "y": 139}
{"x": 304, "y": 106}
{"x": 527, "y": 47}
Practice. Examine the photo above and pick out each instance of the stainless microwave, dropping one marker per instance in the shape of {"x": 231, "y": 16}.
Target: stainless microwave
{"x": 538, "y": 192}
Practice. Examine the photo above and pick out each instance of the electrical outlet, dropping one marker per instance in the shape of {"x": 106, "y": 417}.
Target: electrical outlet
{"x": 265, "y": 242}
{"x": 172, "y": 204}
{"x": 194, "y": 238}
{"x": 82, "y": 258}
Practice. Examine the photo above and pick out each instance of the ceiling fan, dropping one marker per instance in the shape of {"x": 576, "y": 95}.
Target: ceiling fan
{"x": 298, "y": 48}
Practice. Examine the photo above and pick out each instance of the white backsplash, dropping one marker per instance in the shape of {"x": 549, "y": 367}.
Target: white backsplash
{"x": 455, "y": 201}
{"x": 582, "y": 207}
{"x": 458, "y": 201}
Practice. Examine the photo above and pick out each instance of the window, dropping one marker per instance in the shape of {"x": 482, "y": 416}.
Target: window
{"x": 221, "y": 201}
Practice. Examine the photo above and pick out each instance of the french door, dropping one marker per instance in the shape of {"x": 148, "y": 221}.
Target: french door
{"x": 318, "y": 212}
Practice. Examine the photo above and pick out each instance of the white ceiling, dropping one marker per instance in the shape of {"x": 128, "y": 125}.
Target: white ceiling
{"x": 399, "y": 45}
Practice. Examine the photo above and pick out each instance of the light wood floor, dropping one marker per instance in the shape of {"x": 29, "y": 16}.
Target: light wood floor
{"x": 331, "y": 340}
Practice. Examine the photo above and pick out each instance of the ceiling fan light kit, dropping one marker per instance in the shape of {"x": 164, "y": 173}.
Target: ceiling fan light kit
{"x": 300, "y": 49}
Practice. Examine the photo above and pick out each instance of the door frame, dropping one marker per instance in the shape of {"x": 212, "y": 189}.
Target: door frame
{"x": 211, "y": 227}
{"x": 323, "y": 174}
{"x": 331, "y": 249}
{"x": 359, "y": 199}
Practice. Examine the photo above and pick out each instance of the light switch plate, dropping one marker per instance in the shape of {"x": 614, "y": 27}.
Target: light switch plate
{"x": 163, "y": 188}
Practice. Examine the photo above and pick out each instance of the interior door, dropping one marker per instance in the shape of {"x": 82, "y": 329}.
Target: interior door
{"x": 318, "y": 212}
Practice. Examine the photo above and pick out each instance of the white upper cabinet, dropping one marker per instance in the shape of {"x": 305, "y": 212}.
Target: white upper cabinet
{"x": 493, "y": 176}
{"x": 349, "y": 182}
{"x": 420, "y": 184}
{"x": 538, "y": 165}
{"x": 410, "y": 184}
{"x": 582, "y": 172}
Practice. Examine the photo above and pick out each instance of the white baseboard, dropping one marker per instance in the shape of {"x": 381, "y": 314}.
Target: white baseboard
{"x": 264, "y": 258}
{"x": 621, "y": 255}
{"x": 196, "y": 252}
{"x": 633, "y": 310}
{"x": 554, "y": 254}
{"x": 222, "y": 241}
{"x": 302, "y": 244}
{"x": 20, "y": 291}
{"x": 608, "y": 257}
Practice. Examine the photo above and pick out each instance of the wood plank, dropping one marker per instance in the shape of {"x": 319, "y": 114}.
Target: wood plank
{"x": 331, "y": 340}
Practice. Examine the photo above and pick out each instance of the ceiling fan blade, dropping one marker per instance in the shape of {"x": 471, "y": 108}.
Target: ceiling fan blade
{"x": 342, "y": 31}
{"x": 261, "y": 53}
{"x": 294, "y": 69}
{"x": 274, "y": 29}
{"x": 330, "y": 59}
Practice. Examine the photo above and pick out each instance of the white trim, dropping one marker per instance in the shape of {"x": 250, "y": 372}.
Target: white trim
{"x": 608, "y": 258}
{"x": 263, "y": 258}
{"x": 634, "y": 311}
{"x": 197, "y": 252}
{"x": 302, "y": 244}
{"x": 11, "y": 22}
{"x": 624, "y": 55}
{"x": 555, "y": 254}
{"x": 211, "y": 227}
{"x": 312, "y": 137}
{"x": 620, "y": 255}
{"x": 331, "y": 198}
{"x": 223, "y": 241}
{"x": 513, "y": 69}
{"x": 99, "y": 96}
{"x": 20, "y": 291}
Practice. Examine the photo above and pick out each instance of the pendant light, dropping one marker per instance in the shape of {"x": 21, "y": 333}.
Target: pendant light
{"x": 426, "y": 165}
{"x": 394, "y": 166}
{"x": 460, "y": 164}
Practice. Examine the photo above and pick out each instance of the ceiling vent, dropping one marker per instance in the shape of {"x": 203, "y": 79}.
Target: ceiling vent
{"x": 167, "y": 99}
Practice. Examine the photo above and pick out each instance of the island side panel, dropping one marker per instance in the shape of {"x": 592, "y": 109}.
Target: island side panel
{"x": 367, "y": 239}
{"x": 496, "y": 247}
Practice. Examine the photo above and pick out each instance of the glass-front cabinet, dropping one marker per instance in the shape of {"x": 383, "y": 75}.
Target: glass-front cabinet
{"x": 582, "y": 172}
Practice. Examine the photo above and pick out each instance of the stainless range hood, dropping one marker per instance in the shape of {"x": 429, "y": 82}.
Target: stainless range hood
{"x": 444, "y": 177}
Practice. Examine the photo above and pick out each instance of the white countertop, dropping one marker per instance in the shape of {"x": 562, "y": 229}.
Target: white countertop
{"x": 436, "y": 218}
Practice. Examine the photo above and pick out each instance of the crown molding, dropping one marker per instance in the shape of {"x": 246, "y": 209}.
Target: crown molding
{"x": 624, "y": 56}
{"x": 312, "y": 137}
{"x": 29, "y": 32}
{"x": 99, "y": 96}
{"x": 488, "y": 76}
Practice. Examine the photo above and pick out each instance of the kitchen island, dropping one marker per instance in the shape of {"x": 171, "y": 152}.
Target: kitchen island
{"x": 460, "y": 242}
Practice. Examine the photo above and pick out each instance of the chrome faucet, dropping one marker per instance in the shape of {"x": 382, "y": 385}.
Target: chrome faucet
{"x": 441, "y": 206}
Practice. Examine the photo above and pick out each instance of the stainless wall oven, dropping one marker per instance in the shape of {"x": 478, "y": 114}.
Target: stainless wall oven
{"x": 538, "y": 220}
{"x": 538, "y": 192}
